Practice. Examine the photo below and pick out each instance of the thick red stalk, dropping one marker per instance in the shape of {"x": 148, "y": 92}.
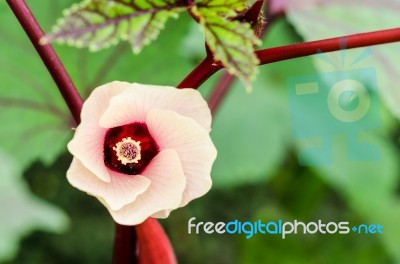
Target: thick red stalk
{"x": 200, "y": 74}
{"x": 145, "y": 243}
{"x": 124, "y": 245}
{"x": 48, "y": 56}
{"x": 207, "y": 68}
{"x": 153, "y": 244}
{"x": 327, "y": 45}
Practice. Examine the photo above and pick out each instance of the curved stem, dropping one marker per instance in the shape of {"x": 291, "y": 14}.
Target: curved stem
{"x": 200, "y": 74}
{"x": 327, "y": 45}
{"x": 153, "y": 244}
{"x": 48, "y": 56}
{"x": 206, "y": 68}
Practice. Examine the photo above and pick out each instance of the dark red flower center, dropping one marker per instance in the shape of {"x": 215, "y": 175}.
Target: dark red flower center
{"x": 129, "y": 148}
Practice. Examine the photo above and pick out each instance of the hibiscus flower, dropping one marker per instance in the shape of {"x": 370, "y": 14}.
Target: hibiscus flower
{"x": 142, "y": 150}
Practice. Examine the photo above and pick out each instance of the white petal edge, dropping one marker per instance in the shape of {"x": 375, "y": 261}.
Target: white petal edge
{"x": 193, "y": 144}
{"x": 87, "y": 143}
{"x": 162, "y": 214}
{"x": 120, "y": 191}
{"x": 87, "y": 146}
{"x": 98, "y": 101}
{"x": 164, "y": 193}
{"x": 143, "y": 98}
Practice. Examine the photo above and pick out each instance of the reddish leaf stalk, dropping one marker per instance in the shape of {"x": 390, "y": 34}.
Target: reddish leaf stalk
{"x": 207, "y": 68}
{"x": 327, "y": 45}
{"x": 48, "y": 56}
{"x": 226, "y": 80}
{"x": 200, "y": 74}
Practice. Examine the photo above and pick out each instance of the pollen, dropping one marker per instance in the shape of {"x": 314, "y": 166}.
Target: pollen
{"x": 128, "y": 151}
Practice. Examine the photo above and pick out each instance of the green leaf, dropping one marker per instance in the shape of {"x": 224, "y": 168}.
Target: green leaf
{"x": 226, "y": 8}
{"x": 315, "y": 20}
{"x": 22, "y": 212}
{"x": 368, "y": 186}
{"x": 232, "y": 42}
{"x": 35, "y": 121}
{"x": 251, "y": 143}
{"x": 252, "y": 130}
{"x": 100, "y": 23}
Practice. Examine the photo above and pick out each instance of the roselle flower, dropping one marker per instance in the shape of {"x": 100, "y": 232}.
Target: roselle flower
{"x": 142, "y": 150}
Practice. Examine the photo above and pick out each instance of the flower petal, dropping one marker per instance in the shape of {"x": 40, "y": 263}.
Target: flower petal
{"x": 193, "y": 145}
{"x": 164, "y": 192}
{"x": 99, "y": 99}
{"x": 143, "y": 98}
{"x": 87, "y": 144}
{"x": 122, "y": 190}
{"x": 162, "y": 214}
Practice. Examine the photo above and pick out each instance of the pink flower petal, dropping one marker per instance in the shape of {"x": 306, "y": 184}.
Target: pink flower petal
{"x": 99, "y": 99}
{"x": 87, "y": 144}
{"x": 164, "y": 192}
{"x": 143, "y": 98}
{"x": 122, "y": 190}
{"x": 193, "y": 145}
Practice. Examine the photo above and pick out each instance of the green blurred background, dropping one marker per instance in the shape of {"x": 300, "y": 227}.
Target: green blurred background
{"x": 256, "y": 175}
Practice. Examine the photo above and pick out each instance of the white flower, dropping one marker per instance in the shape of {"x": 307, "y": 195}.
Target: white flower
{"x": 142, "y": 150}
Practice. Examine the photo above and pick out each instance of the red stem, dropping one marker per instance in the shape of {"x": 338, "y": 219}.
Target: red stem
{"x": 153, "y": 244}
{"x": 48, "y": 56}
{"x": 207, "y": 68}
{"x": 144, "y": 243}
{"x": 200, "y": 74}
{"x": 327, "y": 45}
{"x": 124, "y": 245}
